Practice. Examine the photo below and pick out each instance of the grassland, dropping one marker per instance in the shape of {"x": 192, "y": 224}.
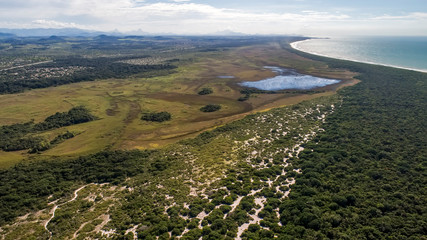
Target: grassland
{"x": 119, "y": 102}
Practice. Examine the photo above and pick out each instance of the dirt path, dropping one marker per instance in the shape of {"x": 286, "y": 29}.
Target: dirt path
{"x": 134, "y": 110}
{"x": 55, "y": 207}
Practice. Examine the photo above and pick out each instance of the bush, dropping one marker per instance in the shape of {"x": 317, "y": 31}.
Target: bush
{"x": 62, "y": 137}
{"x": 254, "y": 227}
{"x": 244, "y": 98}
{"x": 205, "y": 91}
{"x": 156, "y": 117}
{"x": 210, "y": 108}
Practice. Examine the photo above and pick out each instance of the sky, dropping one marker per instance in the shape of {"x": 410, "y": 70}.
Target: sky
{"x": 321, "y": 18}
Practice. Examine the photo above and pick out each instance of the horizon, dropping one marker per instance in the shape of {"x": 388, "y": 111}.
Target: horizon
{"x": 59, "y": 32}
{"x": 315, "y": 18}
{"x": 78, "y": 32}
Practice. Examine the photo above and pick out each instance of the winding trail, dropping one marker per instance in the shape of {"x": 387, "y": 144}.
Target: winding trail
{"x": 55, "y": 207}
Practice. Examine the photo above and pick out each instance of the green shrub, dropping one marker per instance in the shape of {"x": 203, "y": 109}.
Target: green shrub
{"x": 156, "y": 117}
{"x": 205, "y": 91}
{"x": 210, "y": 108}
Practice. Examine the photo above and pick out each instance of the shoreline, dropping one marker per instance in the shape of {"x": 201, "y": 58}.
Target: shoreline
{"x": 295, "y": 44}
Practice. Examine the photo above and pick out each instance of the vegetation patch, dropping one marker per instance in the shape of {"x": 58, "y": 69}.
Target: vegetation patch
{"x": 21, "y": 136}
{"x": 75, "y": 115}
{"x": 244, "y": 98}
{"x": 62, "y": 137}
{"x": 156, "y": 117}
{"x": 210, "y": 108}
{"x": 205, "y": 91}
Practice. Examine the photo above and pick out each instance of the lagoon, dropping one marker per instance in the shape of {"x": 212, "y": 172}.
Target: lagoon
{"x": 289, "y": 79}
{"x": 226, "y": 77}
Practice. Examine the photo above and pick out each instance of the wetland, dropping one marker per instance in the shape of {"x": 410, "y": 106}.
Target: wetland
{"x": 120, "y": 96}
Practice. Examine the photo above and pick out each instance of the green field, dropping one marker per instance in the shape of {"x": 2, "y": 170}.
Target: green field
{"x": 119, "y": 103}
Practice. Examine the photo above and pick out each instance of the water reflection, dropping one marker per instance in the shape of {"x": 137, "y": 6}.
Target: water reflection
{"x": 289, "y": 79}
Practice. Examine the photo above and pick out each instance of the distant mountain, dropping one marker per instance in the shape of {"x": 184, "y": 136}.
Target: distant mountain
{"x": 7, "y": 35}
{"x": 47, "y": 32}
{"x": 51, "y": 39}
{"x": 106, "y": 38}
{"x": 134, "y": 36}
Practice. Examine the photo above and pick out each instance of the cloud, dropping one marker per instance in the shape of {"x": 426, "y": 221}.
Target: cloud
{"x": 182, "y": 17}
{"x": 410, "y": 16}
{"x": 202, "y": 11}
{"x": 54, "y": 24}
{"x": 187, "y": 18}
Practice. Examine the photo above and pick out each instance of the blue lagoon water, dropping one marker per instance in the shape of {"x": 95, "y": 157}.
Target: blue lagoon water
{"x": 402, "y": 52}
{"x": 289, "y": 79}
{"x": 226, "y": 77}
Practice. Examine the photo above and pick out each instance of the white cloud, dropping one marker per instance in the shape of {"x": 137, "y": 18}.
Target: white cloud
{"x": 54, "y": 24}
{"x": 188, "y": 18}
{"x": 197, "y": 12}
{"x": 410, "y": 16}
{"x": 183, "y": 17}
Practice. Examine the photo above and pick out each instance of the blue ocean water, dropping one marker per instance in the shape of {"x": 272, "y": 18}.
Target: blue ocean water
{"x": 289, "y": 79}
{"x": 402, "y": 52}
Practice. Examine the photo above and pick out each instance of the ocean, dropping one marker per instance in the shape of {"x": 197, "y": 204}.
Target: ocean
{"x": 401, "y": 52}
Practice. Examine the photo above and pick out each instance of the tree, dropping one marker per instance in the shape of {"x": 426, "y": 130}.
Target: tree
{"x": 156, "y": 117}
{"x": 210, "y": 108}
{"x": 205, "y": 91}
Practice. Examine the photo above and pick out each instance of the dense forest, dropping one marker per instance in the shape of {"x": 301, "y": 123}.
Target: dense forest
{"x": 364, "y": 176}
{"x": 350, "y": 166}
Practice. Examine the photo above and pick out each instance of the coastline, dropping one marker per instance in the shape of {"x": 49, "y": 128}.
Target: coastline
{"x": 295, "y": 46}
